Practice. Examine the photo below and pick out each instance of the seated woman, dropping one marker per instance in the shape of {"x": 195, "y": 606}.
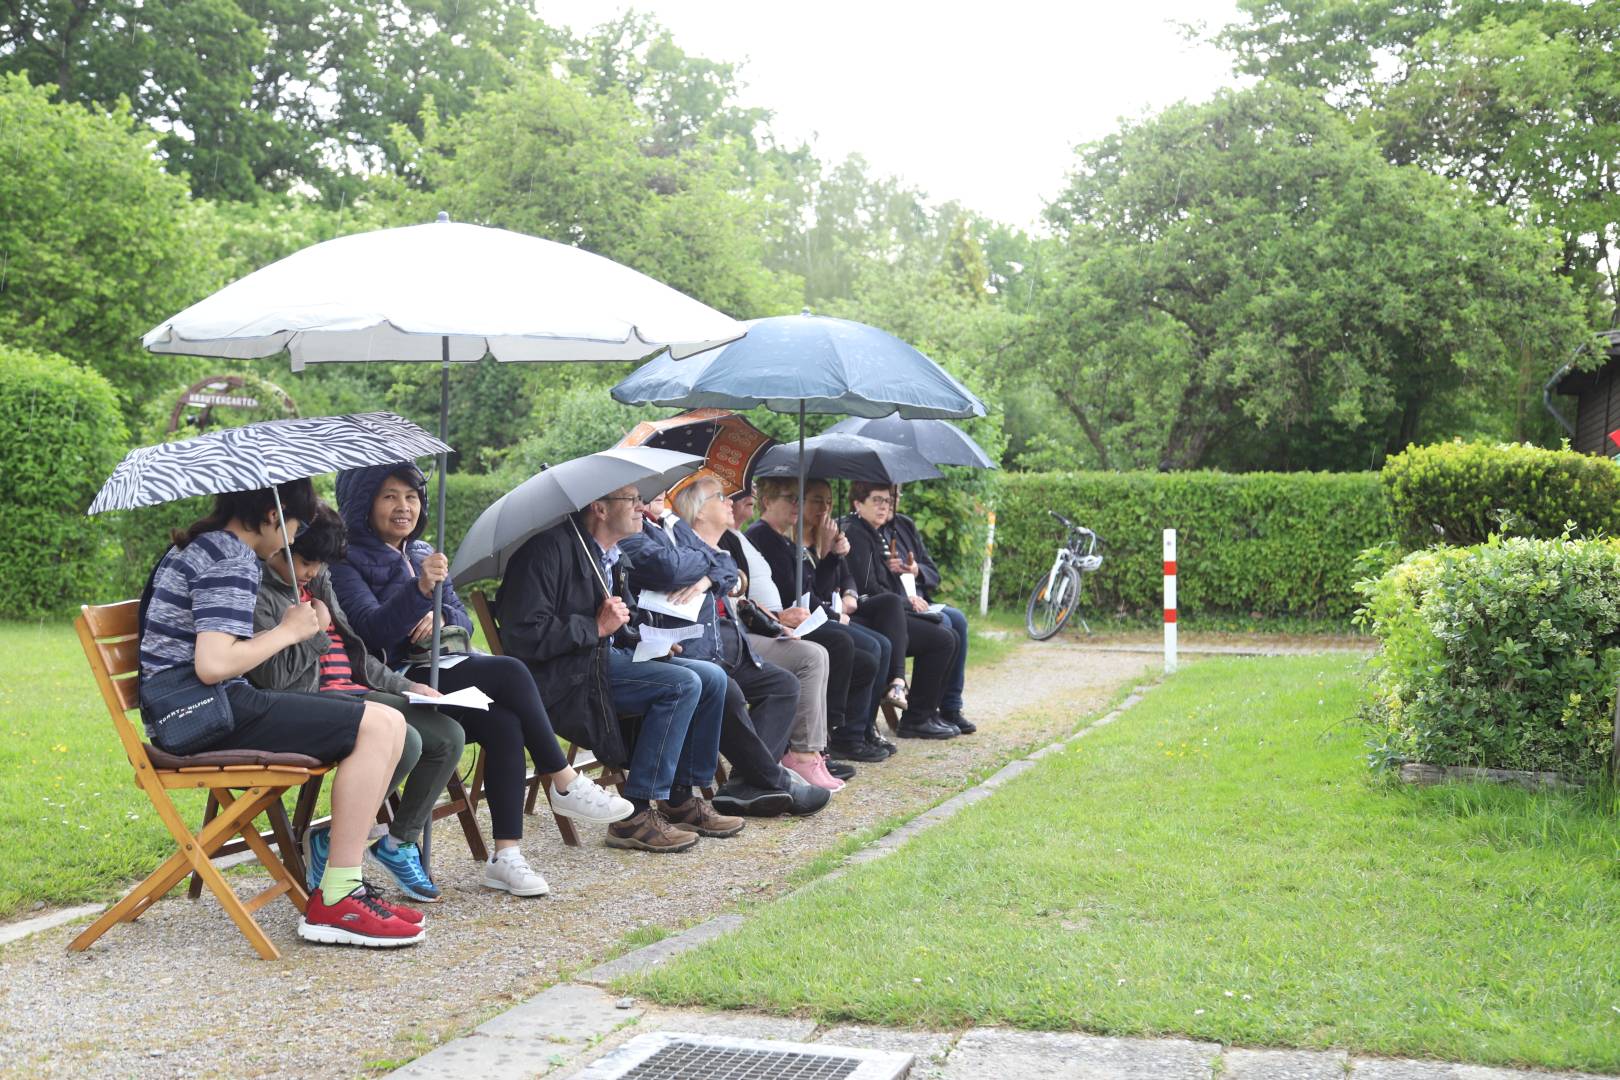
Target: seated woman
{"x": 335, "y": 661}
{"x": 828, "y": 543}
{"x": 386, "y": 587}
{"x": 852, "y": 661}
{"x": 909, "y": 555}
{"x": 197, "y": 613}
{"x": 914, "y": 633}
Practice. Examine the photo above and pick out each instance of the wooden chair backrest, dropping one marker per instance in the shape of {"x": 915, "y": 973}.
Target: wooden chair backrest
{"x": 110, "y": 634}
{"x": 484, "y": 612}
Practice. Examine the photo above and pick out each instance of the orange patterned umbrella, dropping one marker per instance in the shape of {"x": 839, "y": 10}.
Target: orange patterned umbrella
{"x": 730, "y": 446}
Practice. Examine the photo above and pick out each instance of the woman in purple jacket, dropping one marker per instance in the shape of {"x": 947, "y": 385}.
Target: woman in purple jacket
{"x": 386, "y": 588}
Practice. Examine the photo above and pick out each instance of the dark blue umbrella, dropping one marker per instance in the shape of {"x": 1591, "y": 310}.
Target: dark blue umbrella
{"x": 805, "y": 364}
{"x": 939, "y": 441}
{"x": 836, "y": 455}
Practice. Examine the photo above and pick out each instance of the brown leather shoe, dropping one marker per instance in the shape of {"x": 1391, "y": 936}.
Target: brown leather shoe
{"x": 649, "y": 830}
{"x": 698, "y": 815}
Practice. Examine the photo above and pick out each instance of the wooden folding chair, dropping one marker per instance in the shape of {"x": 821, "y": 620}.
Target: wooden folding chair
{"x": 245, "y": 784}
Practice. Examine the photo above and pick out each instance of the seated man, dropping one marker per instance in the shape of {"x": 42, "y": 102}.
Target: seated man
{"x": 564, "y": 607}
{"x": 335, "y": 661}
{"x": 909, "y": 555}
{"x": 761, "y": 698}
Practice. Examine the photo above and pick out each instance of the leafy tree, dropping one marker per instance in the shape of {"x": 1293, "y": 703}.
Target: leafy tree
{"x": 1248, "y": 277}
{"x": 1517, "y": 99}
{"x": 97, "y": 243}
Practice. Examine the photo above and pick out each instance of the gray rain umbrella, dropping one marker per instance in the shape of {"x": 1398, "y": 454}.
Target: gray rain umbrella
{"x": 836, "y": 455}
{"x": 804, "y": 364}
{"x": 261, "y": 455}
{"x": 940, "y": 441}
{"x": 548, "y": 497}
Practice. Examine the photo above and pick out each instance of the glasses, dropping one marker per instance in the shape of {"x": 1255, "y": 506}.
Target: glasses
{"x": 880, "y": 500}
{"x": 635, "y": 500}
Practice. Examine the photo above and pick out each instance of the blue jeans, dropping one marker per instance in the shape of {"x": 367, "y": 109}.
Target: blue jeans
{"x": 951, "y": 701}
{"x": 700, "y": 758}
{"x": 880, "y": 646}
{"x": 666, "y": 696}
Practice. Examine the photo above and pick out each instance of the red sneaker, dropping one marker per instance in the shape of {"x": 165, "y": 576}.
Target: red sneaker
{"x": 357, "y": 919}
{"x": 409, "y": 914}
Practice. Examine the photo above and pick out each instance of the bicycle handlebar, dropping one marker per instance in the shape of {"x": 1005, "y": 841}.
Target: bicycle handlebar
{"x": 1071, "y": 526}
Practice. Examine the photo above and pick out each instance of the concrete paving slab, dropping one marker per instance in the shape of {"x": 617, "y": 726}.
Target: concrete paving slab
{"x": 488, "y": 1058}
{"x": 1396, "y": 1069}
{"x": 18, "y": 930}
{"x": 743, "y": 1025}
{"x": 999, "y": 1052}
{"x": 1239, "y": 1064}
{"x": 566, "y": 1013}
{"x": 1008, "y": 771}
{"x": 928, "y": 1047}
{"x": 661, "y": 951}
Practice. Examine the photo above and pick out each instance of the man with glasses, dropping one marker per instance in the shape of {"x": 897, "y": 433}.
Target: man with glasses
{"x": 565, "y": 610}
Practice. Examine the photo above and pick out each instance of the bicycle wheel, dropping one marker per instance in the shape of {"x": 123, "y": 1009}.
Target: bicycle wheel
{"x": 1048, "y": 611}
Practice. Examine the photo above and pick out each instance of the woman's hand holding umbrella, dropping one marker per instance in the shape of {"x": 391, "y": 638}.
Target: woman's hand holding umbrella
{"x": 435, "y": 568}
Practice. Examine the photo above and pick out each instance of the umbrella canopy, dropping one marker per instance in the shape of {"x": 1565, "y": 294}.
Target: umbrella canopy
{"x": 548, "y": 497}
{"x": 940, "y": 441}
{"x": 805, "y": 363}
{"x": 260, "y": 455}
{"x": 730, "y": 446}
{"x": 840, "y": 456}
{"x": 443, "y": 292}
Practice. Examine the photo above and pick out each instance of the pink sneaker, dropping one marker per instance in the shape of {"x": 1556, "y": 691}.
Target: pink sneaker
{"x": 814, "y": 772}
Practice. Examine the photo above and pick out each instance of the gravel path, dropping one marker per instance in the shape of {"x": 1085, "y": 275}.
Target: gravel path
{"x": 131, "y": 1005}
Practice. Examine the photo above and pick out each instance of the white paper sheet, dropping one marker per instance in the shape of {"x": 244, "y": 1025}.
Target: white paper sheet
{"x": 909, "y": 583}
{"x": 468, "y": 697}
{"x": 450, "y": 660}
{"x": 805, "y": 601}
{"x": 817, "y": 617}
{"x": 656, "y": 641}
{"x": 652, "y": 600}
{"x": 936, "y": 608}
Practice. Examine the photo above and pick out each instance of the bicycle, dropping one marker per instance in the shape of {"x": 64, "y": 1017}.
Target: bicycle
{"x": 1056, "y": 596}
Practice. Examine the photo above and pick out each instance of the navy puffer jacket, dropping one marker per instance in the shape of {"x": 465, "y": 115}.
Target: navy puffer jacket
{"x": 377, "y": 590}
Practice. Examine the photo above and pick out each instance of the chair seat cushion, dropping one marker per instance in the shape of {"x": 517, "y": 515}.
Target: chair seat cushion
{"x": 162, "y": 759}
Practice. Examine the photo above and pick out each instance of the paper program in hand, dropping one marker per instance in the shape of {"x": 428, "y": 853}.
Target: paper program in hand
{"x": 656, "y": 641}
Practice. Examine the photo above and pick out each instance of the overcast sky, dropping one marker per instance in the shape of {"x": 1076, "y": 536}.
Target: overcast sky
{"x": 985, "y": 108}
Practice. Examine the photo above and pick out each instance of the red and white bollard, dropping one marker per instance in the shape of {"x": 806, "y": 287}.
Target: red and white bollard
{"x": 1169, "y": 601}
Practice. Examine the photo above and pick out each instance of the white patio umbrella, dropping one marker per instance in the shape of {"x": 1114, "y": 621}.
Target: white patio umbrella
{"x": 447, "y": 293}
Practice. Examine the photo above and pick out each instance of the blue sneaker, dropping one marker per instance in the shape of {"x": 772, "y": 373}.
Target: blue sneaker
{"x": 404, "y": 865}
{"x": 317, "y": 845}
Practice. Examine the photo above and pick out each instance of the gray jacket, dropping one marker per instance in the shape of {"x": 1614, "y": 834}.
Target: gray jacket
{"x": 298, "y": 667}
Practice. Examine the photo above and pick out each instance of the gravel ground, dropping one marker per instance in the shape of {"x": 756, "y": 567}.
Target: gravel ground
{"x": 131, "y": 1005}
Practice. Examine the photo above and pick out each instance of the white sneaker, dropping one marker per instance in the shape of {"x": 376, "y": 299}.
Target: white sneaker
{"x": 510, "y": 872}
{"x": 586, "y": 801}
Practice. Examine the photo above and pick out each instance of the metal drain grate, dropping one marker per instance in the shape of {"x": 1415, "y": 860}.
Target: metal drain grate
{"x": 671, "y": 1055}
{"x": 692, "y": 1061}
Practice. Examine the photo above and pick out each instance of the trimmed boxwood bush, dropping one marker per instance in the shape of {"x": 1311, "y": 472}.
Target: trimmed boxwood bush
{"x": 64, "y": 435}
{"x": 1268, "y": 543}
{"x": 1502, "y": 655}
{"x": 1474, "y": 490}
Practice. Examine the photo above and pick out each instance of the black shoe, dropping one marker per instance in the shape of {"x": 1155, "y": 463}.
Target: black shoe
{"x": 741, "y": 797}
{"x": 841, "y": 770}
{"x": 856, "y": 751}
{"x": 959, "y": 722}
{"x": 807, "y": 798}
{"x": 888, "y": 748}
{"x": 931, "y": 727}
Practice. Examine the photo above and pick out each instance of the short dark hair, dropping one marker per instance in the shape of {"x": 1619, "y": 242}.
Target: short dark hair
{"x": 298, "y": 502}
{"x": 861, "y": 490}
{"x": 325, "y": 539}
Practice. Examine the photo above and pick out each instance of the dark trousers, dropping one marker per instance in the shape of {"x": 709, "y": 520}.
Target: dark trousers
{"x": 879, "y": 649}
{"x": 886, "y": 614}
{"x": 851, "y": 671}
{"x": 516, "y": 721}
{"x": 952, "y": 701}
{"x": 760, "y": 703}
{"x": 932, "y": 646}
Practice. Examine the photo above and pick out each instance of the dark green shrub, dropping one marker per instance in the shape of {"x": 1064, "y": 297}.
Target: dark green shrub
{"x": 64, "y": 435}
{"x": 1267, "y": 543}
{"x": 1503, "y": 655}
{"x": 1473, "y": 490}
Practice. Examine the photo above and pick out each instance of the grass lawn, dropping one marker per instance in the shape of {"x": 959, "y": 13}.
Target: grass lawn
{"x": 1218, "y": 864}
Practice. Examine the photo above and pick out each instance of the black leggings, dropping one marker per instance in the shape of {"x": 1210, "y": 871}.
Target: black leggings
{"x": 516, "y": 720}
{"x": 886, "y": 614}
{"x": 933, "y": 644}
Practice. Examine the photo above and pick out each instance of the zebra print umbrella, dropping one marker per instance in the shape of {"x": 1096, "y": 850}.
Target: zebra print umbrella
{"x": 261, "y": 455}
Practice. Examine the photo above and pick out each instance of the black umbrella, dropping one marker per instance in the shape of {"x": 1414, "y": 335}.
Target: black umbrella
{"x": 940, "y": 441}
{"x": 836, "y": 455}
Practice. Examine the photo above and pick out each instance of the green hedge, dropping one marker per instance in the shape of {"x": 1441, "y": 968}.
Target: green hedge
{"x": 1503, "y": 655}
{"x": 1473, "y": 490}
{"x": 64, "y": 435}
{"x": 1267, "y": 543}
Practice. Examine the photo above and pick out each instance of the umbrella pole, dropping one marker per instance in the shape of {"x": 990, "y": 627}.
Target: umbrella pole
{"x": 438, "y": 536}
{"x": 286, "y": 544}
{"x": 798, "y": 532}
